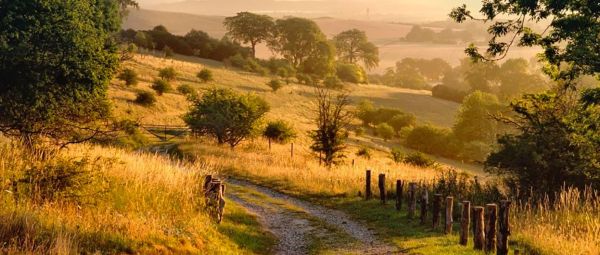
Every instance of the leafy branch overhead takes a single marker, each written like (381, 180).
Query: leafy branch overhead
(571, 24)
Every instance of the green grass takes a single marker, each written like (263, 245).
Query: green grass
(245, 231)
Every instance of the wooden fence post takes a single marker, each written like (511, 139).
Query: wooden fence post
(503, 227)
(382, 188)
(292, 151)
(368, 185)
(424, 202)
(398, 195)
(479, 235)
(465, 219)
(412, 199)
(437, 205)
(491, 216)
(448, 219)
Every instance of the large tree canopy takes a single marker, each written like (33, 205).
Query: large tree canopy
(249, 28)
(56, 59)
(301, 41)
(353, 46)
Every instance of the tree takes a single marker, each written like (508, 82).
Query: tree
(354, 46)
(249, 28)
(332, 120)
(557, 142)
(351, 73)
(475, 120)
(167, 73)
(56, 60)
(300, 41)
(385, 131)
(400, 121)
(516, 79)
(225, 115)
(279, 131)
(365, 111)
(570, 37)
(161, 86)
(145, 98)
(129, 76)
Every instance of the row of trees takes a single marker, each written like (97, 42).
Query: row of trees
(420, 34)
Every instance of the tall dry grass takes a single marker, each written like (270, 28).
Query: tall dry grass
(568, 225)
(150, 205)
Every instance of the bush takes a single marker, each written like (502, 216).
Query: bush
(433, 140)
(129, 76)
(279, 131)
(63, 179)
(385, 131)
(168, 73)
(248, 64)
(400, 121)
(419, 159)
(397, 155)
(275, 84)
(384, 115)
(161, 86)
(205, 75)
(304, 79)
(359, 131)
(351, 73)
(186, 89)
(333, 82)
(364, 152)
(145, 98)
(448, 93)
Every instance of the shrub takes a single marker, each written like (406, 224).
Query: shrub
(186, 89)
(304, 79)
(63, 179)
(333, 82)
(397, 155)
(168, 73)
(279, 131)
(145, 98)
(161, 86)
(275, 84)
(129, 76)
(168, 52)
(433, 140)
(205, 75)
(359, 131)
(448, 93)
(384, 115)
(419, 159)
(364, 152)
(350, 73)
(385, 131)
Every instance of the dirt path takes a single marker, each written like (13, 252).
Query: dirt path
(305, 228)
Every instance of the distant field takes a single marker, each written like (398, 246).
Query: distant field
(385, 35)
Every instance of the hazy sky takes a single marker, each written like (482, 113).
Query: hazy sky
(402, 10)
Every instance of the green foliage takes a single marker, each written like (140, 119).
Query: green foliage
(205, 75)
(225, 115)
(167, 74)
(129, 76)
(557, 144)
(275, 84)
(475, 120)
(448, 93)
(279, 131)
(332, 121)
(365, 111)
(364, 152)
(145, 98)
(248, 64)
(161, 86)
(353, 46)
(186, 89)
(302, 43)
(304, 79)
(333, 82)
(419, 159)
(397, 155)
(446, 36)
(400, 121)
(359, 131)
(351, 73)
(249, 28)
(168, 52)
(56, 59)
(433, 140)
(385, 131)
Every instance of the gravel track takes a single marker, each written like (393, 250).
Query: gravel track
(296, 231)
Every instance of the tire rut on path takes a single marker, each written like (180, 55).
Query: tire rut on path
(304, 228)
